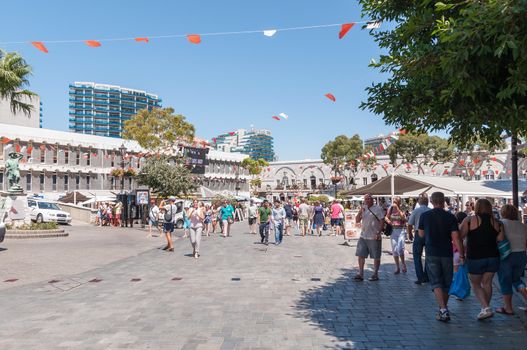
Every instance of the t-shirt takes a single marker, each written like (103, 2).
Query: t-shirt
(336, 211)
(264, 214)
(288, 211)
(371, 224)
(227, 212)
(279, 214)
(303, 210)
(252, 210)
(516, 233)
(438, 225)
(416, 214)
(170, 209)
(154, 213)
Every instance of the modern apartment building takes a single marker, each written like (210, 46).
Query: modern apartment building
(255, 143)
(33, 119)
(100, 109)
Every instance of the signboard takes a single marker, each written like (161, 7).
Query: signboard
(351, 229)
(142, 197)
(196, 159)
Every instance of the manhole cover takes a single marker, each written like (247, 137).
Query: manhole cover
(135, 280)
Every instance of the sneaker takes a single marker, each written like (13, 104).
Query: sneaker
(443, 316)
(485, 313)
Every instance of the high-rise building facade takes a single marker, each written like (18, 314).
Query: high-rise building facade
(100, 109)
(255, 143)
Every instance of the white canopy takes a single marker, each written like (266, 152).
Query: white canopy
(413, 185)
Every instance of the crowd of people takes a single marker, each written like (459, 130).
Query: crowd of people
(485, 243)
(109, 214)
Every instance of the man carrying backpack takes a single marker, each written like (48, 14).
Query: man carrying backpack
(168, 225)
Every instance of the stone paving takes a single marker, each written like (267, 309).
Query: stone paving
(238, 295)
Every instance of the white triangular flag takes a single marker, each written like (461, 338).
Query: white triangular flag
(269, 32)
(373, 25)
(283, 115)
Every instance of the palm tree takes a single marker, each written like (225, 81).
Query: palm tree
(14, 72)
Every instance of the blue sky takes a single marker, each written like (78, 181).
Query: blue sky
(225, 83)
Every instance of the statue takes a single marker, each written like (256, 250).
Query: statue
(13, 172)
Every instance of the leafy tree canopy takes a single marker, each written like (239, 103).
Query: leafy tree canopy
(455, 65)
(14, 73)
(159, 129)
(254, 166)
(420, 149)
(342, 150)
(166, 179)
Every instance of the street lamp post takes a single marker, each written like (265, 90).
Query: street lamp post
(335, 184)
(122, 151)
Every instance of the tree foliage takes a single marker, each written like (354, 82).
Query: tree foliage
(254, 166)
(421, 149)
(166, 179)
(459, 66)
(159, 129)
(342, 150)
(14, 73)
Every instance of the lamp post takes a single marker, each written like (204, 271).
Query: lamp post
(122, 151)
(335, 183)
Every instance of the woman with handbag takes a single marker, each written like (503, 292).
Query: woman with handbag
(483, 232)
(227, 218)
(196, 216)
(512, 266)
(396, 218)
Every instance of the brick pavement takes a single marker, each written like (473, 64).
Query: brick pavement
(241, 295)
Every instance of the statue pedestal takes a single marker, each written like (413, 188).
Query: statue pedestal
(13, 209)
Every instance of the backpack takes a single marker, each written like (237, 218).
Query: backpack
(167, 216)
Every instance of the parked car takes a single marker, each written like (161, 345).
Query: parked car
(46, 211)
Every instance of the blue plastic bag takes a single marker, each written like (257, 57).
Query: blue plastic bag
(460, 285)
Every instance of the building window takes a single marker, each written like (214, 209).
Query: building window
(54, 182)
(78, 157)
(88, 158)
(42, 181)
(55, 154)
(477, 177)
(313, 181)
(42, 153)
(77, 181)
(66, 156)
(88, 178)
(112, 181)
(66, 182)
(364, 181)
(29, 178)
(113, 160)
(305, 183)
(1, 181)
(374, 177)
(130, 183)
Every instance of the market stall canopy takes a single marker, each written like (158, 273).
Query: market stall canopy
(413, 185)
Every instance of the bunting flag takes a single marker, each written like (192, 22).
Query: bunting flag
(51, 147)
(29, 150)
(5, 140)
(39, 45)
(373, 25)
(331, 97)
(270, 32)
(94, 154)
(92, 43)
(194, 38)
(42, 147)
(276, 118)
(232, 133)
(17, 148)
(345, 29)
(283, 115)
(144, 40)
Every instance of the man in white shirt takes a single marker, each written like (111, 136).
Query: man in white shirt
(303, 217)
(252, 213)
(153, 218)
(278, 220)
(370, 241)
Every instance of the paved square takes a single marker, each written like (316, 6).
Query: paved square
(238, 295)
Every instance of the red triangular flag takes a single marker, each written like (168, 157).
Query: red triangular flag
(276, 118)
(5, 140)
(345, 29)
(145, 40)
(17, 148)
(92, 43)
(331, 97)
(194, 38)
(29, 149)
(39, 45)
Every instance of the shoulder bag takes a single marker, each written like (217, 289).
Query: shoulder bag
(387, 227)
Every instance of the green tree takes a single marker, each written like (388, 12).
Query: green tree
(166, 179)
(459, 66)
(254, 167)
(159, 130)
(14, 73)
(420, 149)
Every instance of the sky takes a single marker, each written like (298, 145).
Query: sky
(224, 83)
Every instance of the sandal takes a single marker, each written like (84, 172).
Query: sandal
(404, 269)
(373, 278)
(358, 278)
(501, 310)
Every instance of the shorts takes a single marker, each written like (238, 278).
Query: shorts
(287, 222)
(304, 223)
(252, 221)
(154, 223)
(335, 222)
(168, 227)
(481, 266)
(440, 271)
(371, 247)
